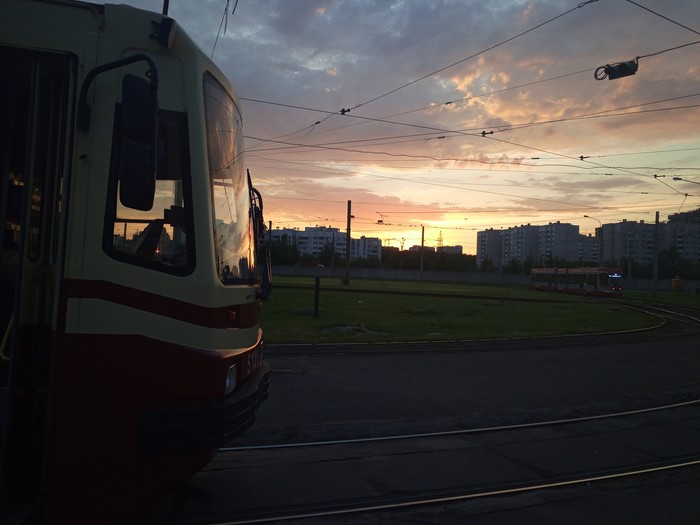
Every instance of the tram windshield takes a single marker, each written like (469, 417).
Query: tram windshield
(230, 193)
(615, 280)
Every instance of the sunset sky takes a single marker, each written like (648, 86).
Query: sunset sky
(460, 115)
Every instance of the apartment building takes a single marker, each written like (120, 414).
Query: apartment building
(313, 240)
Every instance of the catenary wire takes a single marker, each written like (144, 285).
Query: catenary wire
(608, 113)
(345, 111)
(579, 6)
(664, 17)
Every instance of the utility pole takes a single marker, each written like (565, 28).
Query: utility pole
(333, 256)
(422, 245)
(348, 240)
(655, 268)
(599, 241)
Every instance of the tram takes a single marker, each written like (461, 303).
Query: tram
(600, 281)
(133, 262)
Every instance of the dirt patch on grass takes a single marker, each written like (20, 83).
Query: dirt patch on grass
(351, 329)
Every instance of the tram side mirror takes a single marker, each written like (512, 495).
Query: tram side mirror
(139, 132)
(262, 247)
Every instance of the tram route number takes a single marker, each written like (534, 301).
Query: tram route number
(251, 361)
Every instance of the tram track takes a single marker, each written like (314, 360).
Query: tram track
(445, 433)
(441, 499)
(684, 315)
(342, 478)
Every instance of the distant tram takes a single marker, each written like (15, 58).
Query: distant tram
(132, 263)
(601, 281)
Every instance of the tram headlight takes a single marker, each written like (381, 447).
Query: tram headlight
(230, 380)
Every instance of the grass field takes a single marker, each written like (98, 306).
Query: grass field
(373, 311)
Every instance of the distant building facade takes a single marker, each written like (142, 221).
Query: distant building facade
(688, 217)
(366, 248)
(519, 243)
(452, 250)
(627, 239)
(311, 240)
(589, 250)
(488, 247)
(612, 243)
(314, 240)
(558, 241)
(684, 237)
(418, 247)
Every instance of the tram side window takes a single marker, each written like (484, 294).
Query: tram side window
(162, 237)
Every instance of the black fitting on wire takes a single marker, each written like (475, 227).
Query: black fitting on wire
(618, 70)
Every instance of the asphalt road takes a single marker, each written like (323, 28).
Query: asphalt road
(341, 392)
(346, 392)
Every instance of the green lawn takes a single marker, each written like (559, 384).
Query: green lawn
(371, 311)
(688, 299)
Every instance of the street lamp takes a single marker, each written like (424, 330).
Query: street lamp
(600, 224)
(686, 180)
(598, 242)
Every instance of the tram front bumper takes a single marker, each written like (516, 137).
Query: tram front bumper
(205, 427)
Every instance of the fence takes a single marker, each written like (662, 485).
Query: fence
(456, 277)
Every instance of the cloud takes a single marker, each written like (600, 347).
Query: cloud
(535, 91)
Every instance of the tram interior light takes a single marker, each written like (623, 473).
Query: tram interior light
(230, 380)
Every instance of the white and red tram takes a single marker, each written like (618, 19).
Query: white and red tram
(132, 262)
(600, 281)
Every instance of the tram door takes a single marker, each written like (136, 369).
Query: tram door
(35, 115)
